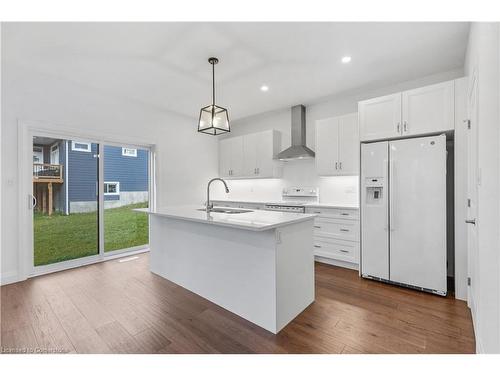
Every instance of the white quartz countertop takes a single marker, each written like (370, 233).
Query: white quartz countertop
(258, 220)
(317, 205)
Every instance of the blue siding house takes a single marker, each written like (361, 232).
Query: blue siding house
(125, 175)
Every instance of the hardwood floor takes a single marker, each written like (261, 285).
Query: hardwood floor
(115, 307)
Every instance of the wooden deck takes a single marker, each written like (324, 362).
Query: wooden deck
(44, 176)
(114, 307)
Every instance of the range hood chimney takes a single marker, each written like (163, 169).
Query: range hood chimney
(298, 149)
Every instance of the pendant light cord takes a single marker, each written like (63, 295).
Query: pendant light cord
(213, 83)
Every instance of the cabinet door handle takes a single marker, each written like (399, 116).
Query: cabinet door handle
(344, 214)
(399, 127)
(258, 170)
(343, 251)
(340, 165)
(317, 246)
(336, 165)
(317, 226)
(317, 212)
(405, 126)
(344, 230)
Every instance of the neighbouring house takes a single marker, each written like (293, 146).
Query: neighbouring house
(65, 175)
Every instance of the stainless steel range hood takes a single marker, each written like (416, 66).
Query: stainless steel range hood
(298, 149)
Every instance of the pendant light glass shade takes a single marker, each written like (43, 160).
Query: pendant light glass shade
(214, 120)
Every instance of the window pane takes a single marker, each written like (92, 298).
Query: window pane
(66, 213)
(126, 188)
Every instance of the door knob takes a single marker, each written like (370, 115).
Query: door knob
(472, 221)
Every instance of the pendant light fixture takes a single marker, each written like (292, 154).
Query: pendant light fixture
(214, 120)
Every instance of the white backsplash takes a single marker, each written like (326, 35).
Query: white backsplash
(335, 190)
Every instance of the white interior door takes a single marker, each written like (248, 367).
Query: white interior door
(472, 189)
(417, 173)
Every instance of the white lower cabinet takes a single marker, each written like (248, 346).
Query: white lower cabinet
(336, 228)
(346, 251)
(245, 205)
(336, 235)
(336, 232)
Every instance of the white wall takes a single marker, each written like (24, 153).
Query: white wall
(185, 158)
(483, 55)
(342, 190)
(1, 169)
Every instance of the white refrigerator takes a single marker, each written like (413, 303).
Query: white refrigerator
(403, 212)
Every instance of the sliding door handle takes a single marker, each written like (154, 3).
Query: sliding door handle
(472, 221)
(31, 201)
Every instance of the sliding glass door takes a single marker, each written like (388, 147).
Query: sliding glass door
(66, 205)
(126, 187)
(84, 198)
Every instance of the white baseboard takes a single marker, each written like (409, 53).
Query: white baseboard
(10, 278)
(479, 346)
(13, 276)
(339, 263)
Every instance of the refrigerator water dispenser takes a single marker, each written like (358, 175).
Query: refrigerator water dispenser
(374, 191)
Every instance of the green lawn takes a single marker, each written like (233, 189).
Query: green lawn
(63, 237)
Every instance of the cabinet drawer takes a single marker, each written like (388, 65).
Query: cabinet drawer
(335, 213)
(341, 250)
(336, 228)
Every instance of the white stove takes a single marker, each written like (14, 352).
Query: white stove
(294, 199)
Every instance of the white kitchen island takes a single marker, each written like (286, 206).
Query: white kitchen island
(258, 265)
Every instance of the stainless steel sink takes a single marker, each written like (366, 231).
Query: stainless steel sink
(225, 210)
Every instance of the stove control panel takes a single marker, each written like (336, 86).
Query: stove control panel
(300, 192)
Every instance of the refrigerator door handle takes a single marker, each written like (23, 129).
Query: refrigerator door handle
(391, 195)
(386, 168)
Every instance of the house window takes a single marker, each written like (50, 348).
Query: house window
(111, 188)
(37, 155)
(81, 146)
(129, 152)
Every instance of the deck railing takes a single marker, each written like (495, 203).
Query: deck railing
(47, 171)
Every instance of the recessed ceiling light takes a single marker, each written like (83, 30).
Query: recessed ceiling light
(264, 88)
(346, 59)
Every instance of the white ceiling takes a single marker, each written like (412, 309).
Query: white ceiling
(165, 64)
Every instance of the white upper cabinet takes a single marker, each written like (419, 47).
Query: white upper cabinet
(337, 146)
(421, 111)
(349, 145)
(231, 157)
(250, 156)
(268, 144)
(380, 117)
(429, 109)
(224, 158)
(327, 146)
